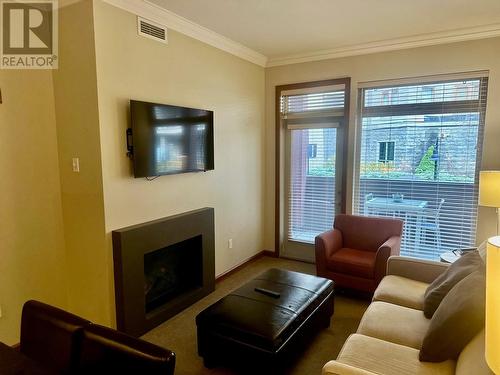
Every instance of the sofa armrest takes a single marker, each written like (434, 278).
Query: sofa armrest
(387, 249)
(415, 269)
(338, 368)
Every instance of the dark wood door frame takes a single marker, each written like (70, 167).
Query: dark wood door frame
(278, 150)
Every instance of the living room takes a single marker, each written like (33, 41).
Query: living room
(73, 184)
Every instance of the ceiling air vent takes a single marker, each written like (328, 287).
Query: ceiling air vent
(151, 30)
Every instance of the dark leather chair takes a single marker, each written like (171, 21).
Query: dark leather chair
(355, 252)
(105, 350)
(67, 344)
(51, 336)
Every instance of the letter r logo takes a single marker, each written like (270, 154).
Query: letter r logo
(27, 28)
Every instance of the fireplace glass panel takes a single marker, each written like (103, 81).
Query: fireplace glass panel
(172, 271)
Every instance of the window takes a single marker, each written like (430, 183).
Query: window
(438, 127)
(385, 151)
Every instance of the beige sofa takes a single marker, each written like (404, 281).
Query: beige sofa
(391, 331)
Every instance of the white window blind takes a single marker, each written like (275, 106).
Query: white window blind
(436, 129)
(312, 120)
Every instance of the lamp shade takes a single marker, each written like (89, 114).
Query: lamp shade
(493, 304)
(489, 188)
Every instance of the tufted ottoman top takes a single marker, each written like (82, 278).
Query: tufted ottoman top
(268, 309)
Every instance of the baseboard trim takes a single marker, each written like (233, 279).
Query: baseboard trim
(297, 259)
(17, 346)
(239, 266)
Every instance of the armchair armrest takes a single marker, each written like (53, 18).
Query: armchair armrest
(416, 269)
(325, 245)
(331, 241)
(338, 368)
(388, 248)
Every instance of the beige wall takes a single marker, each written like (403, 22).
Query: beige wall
(75, 91)
(188, 73)
(32, 259)
(441, 59)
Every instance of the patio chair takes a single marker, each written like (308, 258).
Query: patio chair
(431, 222)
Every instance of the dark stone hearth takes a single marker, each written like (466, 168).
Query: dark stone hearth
(161, 267)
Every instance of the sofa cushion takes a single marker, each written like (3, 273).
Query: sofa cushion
(438, 289)
(338, 368)
(353, 262)
(401, 291)
(383, 357)
(472, 360)
(459, 317)
(393, 323)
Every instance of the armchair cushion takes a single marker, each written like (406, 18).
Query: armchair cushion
(353, 262)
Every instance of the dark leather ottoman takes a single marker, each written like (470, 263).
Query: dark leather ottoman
(255, 326)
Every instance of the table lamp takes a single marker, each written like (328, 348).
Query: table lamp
(489, 192)
(493, 304)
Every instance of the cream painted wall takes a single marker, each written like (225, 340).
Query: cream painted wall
(32, 258)
(75, 91)
(188, 73)
(459, 57)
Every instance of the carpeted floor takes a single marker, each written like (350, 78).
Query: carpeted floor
(179, 333)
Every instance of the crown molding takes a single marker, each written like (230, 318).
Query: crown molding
(453, 36)
(162, 16)
(182, 25)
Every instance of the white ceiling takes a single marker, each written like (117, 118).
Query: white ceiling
(278, 28)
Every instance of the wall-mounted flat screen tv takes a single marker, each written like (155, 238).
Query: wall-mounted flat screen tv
(168, 139)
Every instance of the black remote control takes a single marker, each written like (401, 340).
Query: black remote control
(267, 292)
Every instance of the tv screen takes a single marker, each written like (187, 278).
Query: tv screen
(168, 139)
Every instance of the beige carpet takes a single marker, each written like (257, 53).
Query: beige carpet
(179, 333)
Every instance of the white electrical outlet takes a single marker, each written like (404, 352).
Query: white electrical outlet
(76, 164)
(230, 243)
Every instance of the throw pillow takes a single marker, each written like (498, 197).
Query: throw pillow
(438, 289)
(459, 317)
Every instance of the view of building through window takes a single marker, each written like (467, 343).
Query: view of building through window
(422, 142)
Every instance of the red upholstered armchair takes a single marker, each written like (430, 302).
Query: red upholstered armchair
(354, 253)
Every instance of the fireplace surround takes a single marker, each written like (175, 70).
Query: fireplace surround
(161, 267)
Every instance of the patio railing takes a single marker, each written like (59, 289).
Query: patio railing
(457, 219)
